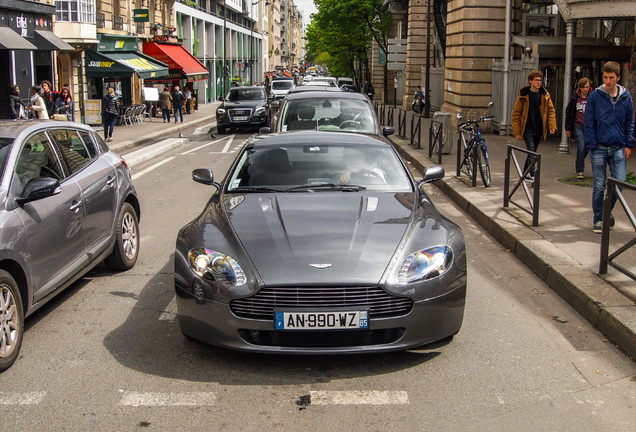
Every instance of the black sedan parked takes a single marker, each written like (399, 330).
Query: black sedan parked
(318, 242)
(244, 108)
(68, 203)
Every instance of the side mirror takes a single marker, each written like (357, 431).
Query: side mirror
(431, 174)
(39, 188)
(388, 130)
(204, 176)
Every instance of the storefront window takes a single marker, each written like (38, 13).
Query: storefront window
(82, 11)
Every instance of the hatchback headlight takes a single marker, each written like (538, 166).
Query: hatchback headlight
(425, 264)
(217, 266)
(220, 110)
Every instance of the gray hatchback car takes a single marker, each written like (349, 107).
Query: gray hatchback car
(67, 203)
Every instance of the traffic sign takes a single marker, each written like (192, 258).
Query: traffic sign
(396, 66)
(397, 41)
(397, 57)
(397, 48)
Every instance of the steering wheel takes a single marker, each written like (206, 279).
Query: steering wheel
(365, 174)
(48, 172)
(350, 123)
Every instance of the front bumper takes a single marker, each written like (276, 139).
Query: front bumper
(254, 121)
(429, 321)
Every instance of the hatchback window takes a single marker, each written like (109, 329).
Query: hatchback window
(37, 159)
(330, 114)
(5, 148)
(90, 146)
(75, 153)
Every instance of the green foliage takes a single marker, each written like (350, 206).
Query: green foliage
(631, 178)
(341, 33)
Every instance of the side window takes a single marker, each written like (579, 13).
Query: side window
(88, 143)
(37, 159)
(72, 147)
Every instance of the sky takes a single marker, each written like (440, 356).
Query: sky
(307, 7)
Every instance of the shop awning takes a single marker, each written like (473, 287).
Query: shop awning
(553, 47)
(123, 64)
(46, 40)
(182, 64)
(10, 40)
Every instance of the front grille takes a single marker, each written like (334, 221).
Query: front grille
(319, 339)
(262, 304)
(240, 112)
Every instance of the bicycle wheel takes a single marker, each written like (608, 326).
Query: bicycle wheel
(482, 162)
(468, 159)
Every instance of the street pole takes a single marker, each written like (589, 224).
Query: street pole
(427, 85)
(224, 49)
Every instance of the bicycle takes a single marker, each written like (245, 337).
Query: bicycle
(474, 142)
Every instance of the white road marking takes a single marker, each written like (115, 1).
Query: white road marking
(150, 168)
(227, 146)
(200, 129)
(170, 312)
(150, 152)
(202, 146)
(167, 399)
(359, 398)
(21, 398)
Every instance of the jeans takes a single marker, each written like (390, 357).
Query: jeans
(166, 114)
(532, 140)
(581, 148)
(600, 158)
(178, 109)
(109, 125)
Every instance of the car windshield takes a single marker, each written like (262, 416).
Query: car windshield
(282, 85)
(5, 148)
(248, 94)
(330, 114)
(313, 168)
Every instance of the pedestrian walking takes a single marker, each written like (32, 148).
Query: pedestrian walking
(369, 90)
(49, 97)
(16, 106)
(110, 111)
(532, 117)
(609, 136)
(575, 122)
(188, 97)
(64, 104)
(165, 102)
(177, 100)
(37, 103)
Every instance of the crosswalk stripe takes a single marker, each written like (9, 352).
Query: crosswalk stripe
(167, 399)
(21, 398)
(359, 398)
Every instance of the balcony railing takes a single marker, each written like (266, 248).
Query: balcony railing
(140, 27)
(118, 22)
(100, 20)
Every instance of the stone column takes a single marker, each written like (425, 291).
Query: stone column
(416, 50)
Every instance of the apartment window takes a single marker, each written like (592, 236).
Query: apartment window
(82, 11)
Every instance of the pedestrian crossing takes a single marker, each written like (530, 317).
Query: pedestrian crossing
(206, 399)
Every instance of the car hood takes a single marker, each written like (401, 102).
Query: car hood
(243, 104)
(322, 237)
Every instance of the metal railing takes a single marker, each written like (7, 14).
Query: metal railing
(416, 130)
(100, 20)
(118, 22)
(435, 139)
(533, 199)
(614, 187)
(389, 120)
(401, 123)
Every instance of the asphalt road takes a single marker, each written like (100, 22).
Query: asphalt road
(108, 355)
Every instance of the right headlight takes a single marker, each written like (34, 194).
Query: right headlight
(425, 264)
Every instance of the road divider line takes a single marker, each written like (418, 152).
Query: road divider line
(167, 399)
(202, 146)
(227, 146)
(150, 168)
(359, 398)
(152, 151)
(21, 398)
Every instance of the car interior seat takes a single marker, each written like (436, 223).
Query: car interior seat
(305, 119)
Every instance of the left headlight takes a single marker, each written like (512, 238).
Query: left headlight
(220, 111)
(425, 264)
(217, 266)
(260, 111)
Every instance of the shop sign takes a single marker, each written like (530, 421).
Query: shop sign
(101, 64)
(141, 15)
(164, 38)
(93, 111)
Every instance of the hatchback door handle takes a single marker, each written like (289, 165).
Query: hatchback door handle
(75, 207)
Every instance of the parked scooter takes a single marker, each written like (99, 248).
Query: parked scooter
(418, 102)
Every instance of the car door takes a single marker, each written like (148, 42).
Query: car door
(97, 180)
(53, 225)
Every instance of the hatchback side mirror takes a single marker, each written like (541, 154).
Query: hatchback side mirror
(39, 188)
(204, 176)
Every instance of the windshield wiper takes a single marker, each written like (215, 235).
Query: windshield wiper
(253, 189)
(327, 186)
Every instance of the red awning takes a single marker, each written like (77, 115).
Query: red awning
(181, 63)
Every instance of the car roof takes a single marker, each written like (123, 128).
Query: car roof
(312, 137)
(327, 93)
(304, 89)
(247, 87)
(12, 128)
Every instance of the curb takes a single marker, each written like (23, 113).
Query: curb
(602, 305)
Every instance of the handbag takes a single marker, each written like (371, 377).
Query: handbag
(62, 117)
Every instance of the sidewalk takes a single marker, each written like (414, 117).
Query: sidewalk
(563, 251)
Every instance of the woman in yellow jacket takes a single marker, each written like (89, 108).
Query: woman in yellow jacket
(532, 116)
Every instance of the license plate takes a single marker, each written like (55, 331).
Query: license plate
(240, 118)
(332, 320)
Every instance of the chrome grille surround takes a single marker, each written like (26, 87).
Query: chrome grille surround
(262, 304)
(241, 112)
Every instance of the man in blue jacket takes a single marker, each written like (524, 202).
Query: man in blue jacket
(609, 135)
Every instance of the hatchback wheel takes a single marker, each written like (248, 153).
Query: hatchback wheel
(126, 249)
(11, 320)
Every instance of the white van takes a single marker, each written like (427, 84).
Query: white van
(280, 87)
(344, 80)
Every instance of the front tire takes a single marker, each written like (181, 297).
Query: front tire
(484, 166)
(11, 321)
(126, 249)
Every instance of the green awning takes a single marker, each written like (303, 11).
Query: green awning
(123, 65)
